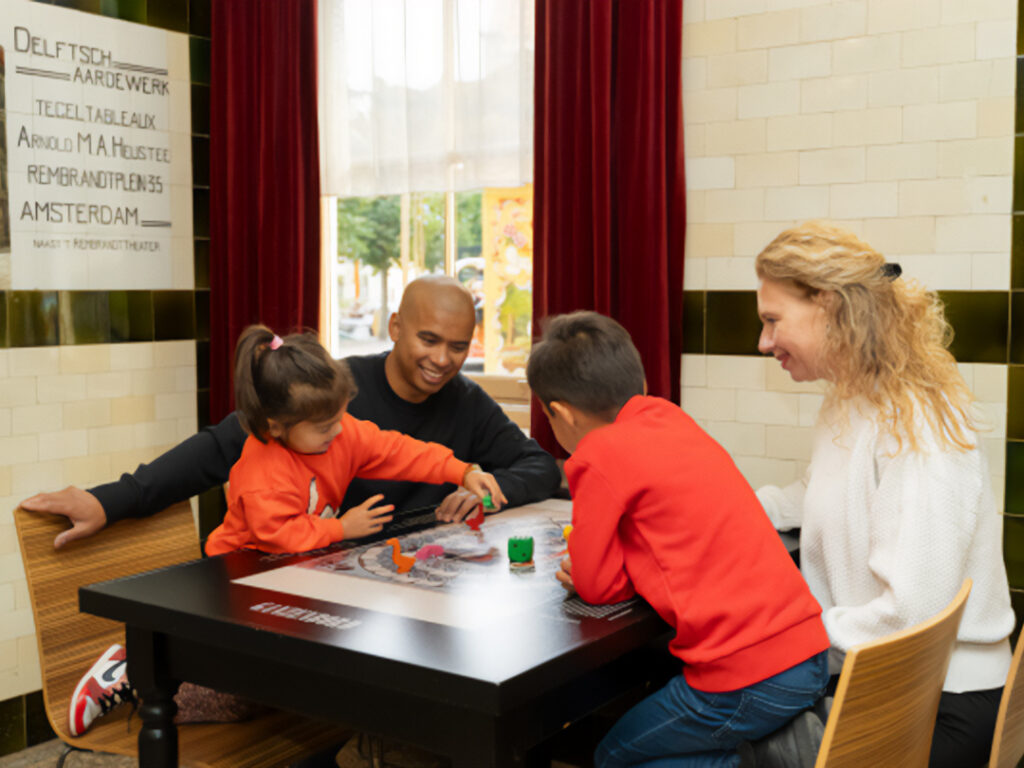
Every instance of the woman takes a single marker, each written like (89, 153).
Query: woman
(896, 508)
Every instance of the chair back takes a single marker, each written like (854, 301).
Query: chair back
(888, 695)
(69, 641)
(1008, 740)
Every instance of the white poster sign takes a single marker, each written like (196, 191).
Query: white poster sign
(95, 152)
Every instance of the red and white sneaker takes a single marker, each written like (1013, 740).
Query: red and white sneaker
(104, 686)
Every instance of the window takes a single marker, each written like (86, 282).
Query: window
(426, 116)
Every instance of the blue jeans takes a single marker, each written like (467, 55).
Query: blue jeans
(681, 726)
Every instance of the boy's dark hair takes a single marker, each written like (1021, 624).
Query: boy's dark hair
(588, 361)
(296, 381)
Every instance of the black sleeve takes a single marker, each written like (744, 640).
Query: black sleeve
(201, 462)
(524, 470)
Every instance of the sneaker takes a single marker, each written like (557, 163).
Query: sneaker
(104, 686)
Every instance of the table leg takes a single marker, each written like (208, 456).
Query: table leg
(158, 739)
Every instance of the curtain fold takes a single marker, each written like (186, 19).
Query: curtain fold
(609, 192)
(264, 177)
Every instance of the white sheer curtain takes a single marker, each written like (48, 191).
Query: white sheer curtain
(425, 95)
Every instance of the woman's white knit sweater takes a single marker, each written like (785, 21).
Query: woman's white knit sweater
(888, 535)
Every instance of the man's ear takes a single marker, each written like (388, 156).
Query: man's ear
(394, 326)
(564, 412)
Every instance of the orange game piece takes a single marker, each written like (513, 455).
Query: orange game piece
(403, 563)
(474, 521)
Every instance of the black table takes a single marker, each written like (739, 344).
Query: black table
(486, 684)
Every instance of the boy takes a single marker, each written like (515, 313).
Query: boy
(660, 510)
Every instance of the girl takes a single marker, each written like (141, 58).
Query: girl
(896, 508)
(304, 449)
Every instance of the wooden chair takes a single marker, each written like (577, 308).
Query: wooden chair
(888, 695)
(70, 641)
(1008, 740)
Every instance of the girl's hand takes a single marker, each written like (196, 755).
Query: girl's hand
(483, 484)
(366, 518)
(564, 576)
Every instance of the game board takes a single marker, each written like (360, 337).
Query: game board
(468, 585)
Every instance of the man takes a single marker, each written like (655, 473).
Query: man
(415, 388)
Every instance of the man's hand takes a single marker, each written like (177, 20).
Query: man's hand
(81, 508)
(457, 506)
(366, 518)
(564, 576)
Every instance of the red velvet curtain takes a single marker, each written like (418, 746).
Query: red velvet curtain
(609, 194)
(264, 177)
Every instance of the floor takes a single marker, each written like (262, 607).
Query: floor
(396, 756)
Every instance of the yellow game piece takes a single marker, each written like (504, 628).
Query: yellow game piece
(566, 531)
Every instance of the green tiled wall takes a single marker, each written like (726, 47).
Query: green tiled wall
(44, 318)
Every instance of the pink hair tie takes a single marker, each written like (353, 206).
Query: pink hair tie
(276, 342)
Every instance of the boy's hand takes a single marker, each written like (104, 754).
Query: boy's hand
(483, 483)
(81, 508)
(457, 505)
(564, 576)
(366, 519)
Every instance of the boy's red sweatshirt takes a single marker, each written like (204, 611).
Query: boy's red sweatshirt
(660, 510)
(282, 501)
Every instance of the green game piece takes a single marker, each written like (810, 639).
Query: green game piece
(520, 549)
(488, 504)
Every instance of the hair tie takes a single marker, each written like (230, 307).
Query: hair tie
(891, 270)
(276, 342)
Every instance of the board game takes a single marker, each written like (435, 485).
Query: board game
(453, 574)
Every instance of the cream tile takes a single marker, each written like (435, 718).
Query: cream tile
(976, 79)
(872, 53)
(709, 106)
(18, 391)
(114, 439)
(696, 205)
(789, 442)
(938, 45)
(897, 17)
(976, 157)
(715, 405)
(834, 21)
(957, 11)
(934, 197)
(695, 274)
(767, 169)
(131, 356)
(778, 380)
(710, 173)
(695, 74)
(995, 117)
(188, 427)
(735, 138)
(695, 140)
(693, 12)
(904, 234)
(17, 624)
(938, 271)
(694, 371)
(736, 372)
(30, 479)
(155, 433)
(990, 271)
(23, 449)
(796, 132)
(710, 38)
(769, 30)
(873, 199)
(133, 409)
(156, 381)
(87, 471)
(60, 388)
(86, 413)
(967, 372)
(995, 39)
(175, 405)
(868, 126)
(735, 273)
(802, 202)
(108, 385)
(167, 354)
(830, 166)
(898, 162)
(8, 654)
(63, 445)
(34, 361)
(768, 408)
(708, 240)
(810, 406)
(738, 439)
(832, 94)
(736, 69)
(973, 234)
(990, 383)
(798, 62)
(732, 205)
(940, 122)
(994, 415)
(898, 88)
(752, 237)
(5, 481)
(768, 471)
(86, 358)
(990, 194)
(768, 100)
(719, 9)
(6, 428)
(4, 365)
(32, 419)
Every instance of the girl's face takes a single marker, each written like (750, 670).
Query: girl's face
(308, 436)
(793, 329)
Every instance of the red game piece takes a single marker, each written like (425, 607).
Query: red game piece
(477, 519)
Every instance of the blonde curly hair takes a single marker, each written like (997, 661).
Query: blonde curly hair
(887, 339)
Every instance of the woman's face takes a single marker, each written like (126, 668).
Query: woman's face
(793, 329)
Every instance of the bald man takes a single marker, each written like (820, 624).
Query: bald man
(415, 388)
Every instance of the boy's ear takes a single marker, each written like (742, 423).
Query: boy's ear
(563, 412)
(275, 429)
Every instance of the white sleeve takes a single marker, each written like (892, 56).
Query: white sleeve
(784, 506)
(921, 521)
